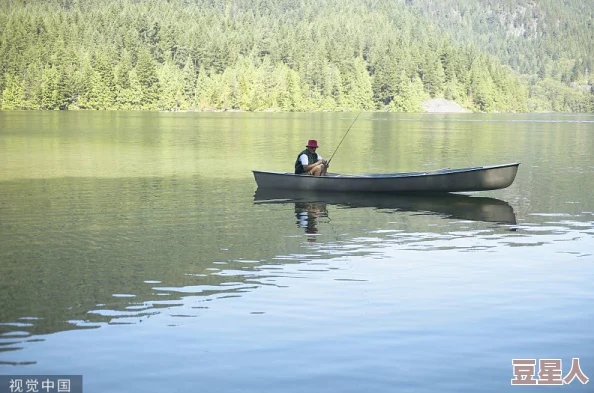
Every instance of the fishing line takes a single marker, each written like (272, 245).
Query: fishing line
(344, 137)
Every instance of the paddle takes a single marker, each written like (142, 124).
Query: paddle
(344, 137)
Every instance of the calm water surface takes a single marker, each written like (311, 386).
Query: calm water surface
(135, 251)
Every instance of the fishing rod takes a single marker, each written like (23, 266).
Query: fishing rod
(344, 137)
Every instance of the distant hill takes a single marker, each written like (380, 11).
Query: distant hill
(256, 55)
(549, 42)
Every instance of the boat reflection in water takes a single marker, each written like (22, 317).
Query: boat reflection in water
(310, 206)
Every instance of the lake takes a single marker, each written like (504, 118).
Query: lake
(134, 251)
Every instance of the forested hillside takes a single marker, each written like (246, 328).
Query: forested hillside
(550, 42)
(257, 55)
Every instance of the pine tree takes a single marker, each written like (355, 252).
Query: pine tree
(84, 93)
(65, 61)
(357, 87)
(230, 97)
(262, 98)
(49, 88)
(135, 94)
(432, 74)
(246, 74)
(482, 88)
(12, 96)
(410, 94)
(170, 80)
(384, 80)
(103, 84)
(332, 91)
(31, 86)
(204, 91)
(293, 100)
(149, 81)
(124, 96)
(188, 84)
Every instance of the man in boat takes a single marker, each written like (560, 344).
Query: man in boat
(309, 162)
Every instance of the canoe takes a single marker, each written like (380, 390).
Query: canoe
(458, 206)
(480, 178)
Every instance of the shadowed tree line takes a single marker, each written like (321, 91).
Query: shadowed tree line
(248, 55)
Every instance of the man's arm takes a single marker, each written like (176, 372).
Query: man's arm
(307, 168)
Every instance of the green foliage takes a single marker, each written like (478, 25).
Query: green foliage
(285, 55)
(549, 95)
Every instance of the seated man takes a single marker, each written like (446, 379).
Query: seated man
(309, 162)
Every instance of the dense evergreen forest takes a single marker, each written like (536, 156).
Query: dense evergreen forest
(291, 55)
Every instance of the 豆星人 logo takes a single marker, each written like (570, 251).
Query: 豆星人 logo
(550, 372)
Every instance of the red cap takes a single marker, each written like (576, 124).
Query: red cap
(312, 143)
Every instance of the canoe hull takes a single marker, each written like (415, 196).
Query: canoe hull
(445, 180)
